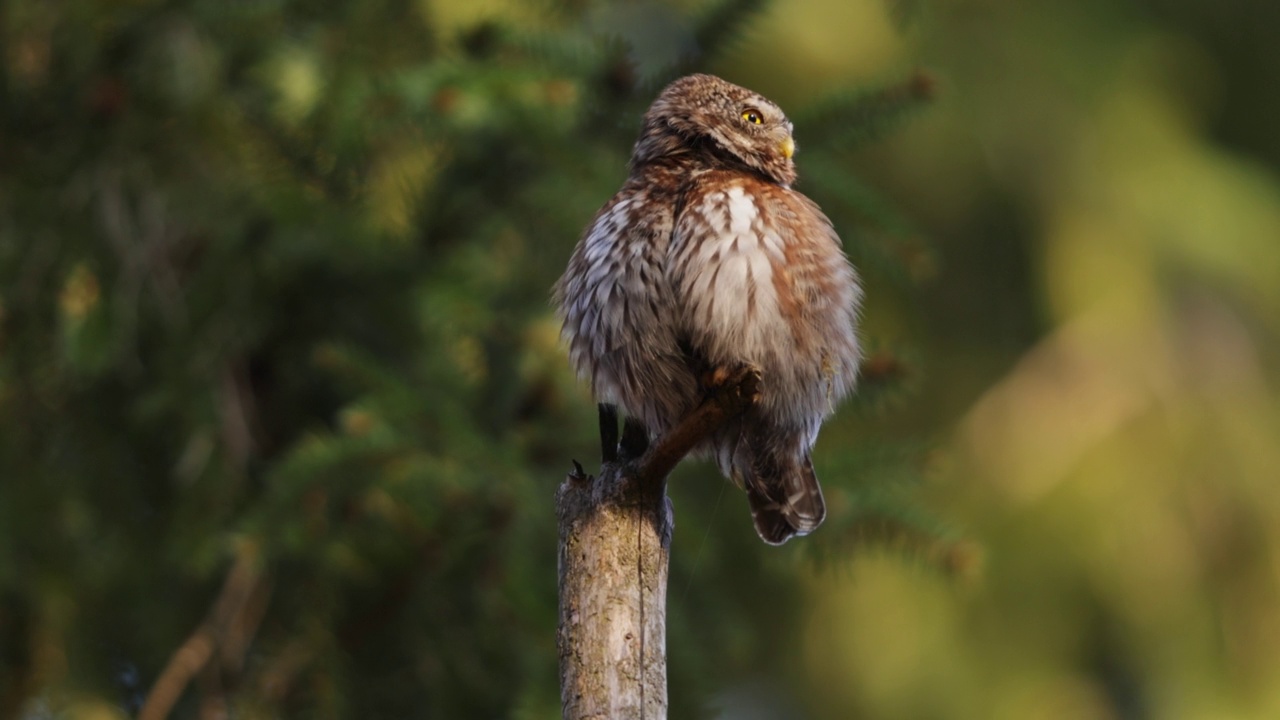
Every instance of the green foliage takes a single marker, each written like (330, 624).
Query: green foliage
(851, 118)
(721, 25)
(273, 284)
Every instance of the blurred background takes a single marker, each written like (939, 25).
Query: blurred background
(283, 408)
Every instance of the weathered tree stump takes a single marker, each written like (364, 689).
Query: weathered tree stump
(614, 556)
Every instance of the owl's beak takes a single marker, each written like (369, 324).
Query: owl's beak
(788, 147)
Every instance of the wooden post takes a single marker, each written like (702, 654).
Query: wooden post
(614, 553)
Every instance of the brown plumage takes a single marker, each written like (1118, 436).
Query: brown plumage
(705, 259)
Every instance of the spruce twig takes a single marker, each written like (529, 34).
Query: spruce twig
(723, 24)
(850, 120)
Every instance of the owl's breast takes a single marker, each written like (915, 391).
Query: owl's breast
(732, 268)
(761, 277)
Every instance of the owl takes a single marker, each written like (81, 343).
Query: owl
(705, 260)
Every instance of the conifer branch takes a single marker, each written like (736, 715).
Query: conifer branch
(722, 25)
(855, 119)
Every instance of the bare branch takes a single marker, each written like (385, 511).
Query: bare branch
(226, 619)
(730, 398)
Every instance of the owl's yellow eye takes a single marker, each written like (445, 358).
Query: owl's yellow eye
(752, 117)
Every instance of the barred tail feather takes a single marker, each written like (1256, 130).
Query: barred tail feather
(785, 497)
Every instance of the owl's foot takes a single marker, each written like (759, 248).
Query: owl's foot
(635, 439)
(608, 432)
(737, 387)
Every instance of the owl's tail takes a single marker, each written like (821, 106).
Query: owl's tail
(784, 494)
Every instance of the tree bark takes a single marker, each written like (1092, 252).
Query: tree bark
(614, 552)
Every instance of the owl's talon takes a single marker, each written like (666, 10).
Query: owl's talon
(740, 384)
(747, 381)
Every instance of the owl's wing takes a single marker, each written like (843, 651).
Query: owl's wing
(617, 310)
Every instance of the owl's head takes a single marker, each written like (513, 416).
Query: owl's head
(728, 124)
